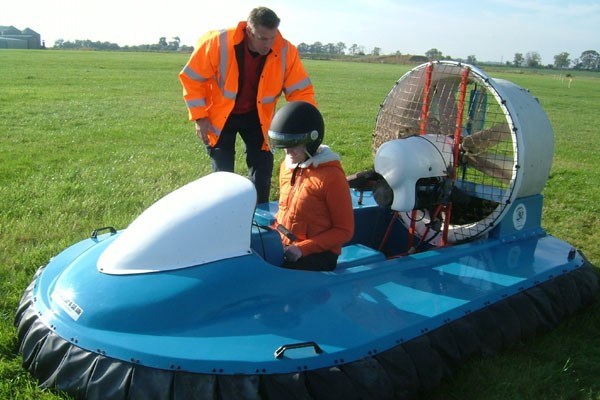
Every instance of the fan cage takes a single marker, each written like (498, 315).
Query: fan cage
(426, 100)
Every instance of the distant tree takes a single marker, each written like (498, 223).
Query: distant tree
(303, 48)
(109, 46)
(354, 49)
(329, 48)
(376, 51)
(518, 59)
(590, 59)
(316, 47)
(562, 60)
(174, 43)
(471, 60)
(340, 48)
(533, 59)
(576, 63)
(434, 54)
(162, 43)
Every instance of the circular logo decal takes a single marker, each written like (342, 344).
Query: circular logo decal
(519, 217)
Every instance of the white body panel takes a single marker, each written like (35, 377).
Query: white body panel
(206, 220)
(534, 136)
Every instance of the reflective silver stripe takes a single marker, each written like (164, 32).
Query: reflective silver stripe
(223, 48)
(284, 52)
(196, 103)
(193, 75)
(224, 56)
(270, 99)
(304, 83)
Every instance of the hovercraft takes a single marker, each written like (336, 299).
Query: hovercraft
(448, 261)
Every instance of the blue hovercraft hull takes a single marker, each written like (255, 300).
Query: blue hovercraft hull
(376, 327)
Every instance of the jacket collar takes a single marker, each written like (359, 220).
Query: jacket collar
(323, 155)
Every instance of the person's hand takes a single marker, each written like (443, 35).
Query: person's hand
(292, 253)
(202, 127)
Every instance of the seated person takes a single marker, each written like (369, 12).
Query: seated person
(315, 216)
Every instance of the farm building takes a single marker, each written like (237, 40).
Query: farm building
(12, 38)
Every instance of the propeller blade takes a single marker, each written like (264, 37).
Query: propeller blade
(494, 165)
(481, 140)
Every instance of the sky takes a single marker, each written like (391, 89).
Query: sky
(491, 30)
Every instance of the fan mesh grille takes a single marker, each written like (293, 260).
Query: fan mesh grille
(486, 167)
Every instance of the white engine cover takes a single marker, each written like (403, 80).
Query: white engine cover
(402, 162)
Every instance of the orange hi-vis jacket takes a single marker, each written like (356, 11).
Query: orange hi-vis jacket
(210, 79)
(317, 208)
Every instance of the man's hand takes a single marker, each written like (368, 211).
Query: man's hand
(292, 253)
(202, 128)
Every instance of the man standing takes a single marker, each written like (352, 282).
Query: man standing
(231, 84)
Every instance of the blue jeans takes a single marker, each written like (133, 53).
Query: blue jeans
(258, 161)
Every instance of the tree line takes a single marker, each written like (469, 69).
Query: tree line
(588, 60)
(163, 45)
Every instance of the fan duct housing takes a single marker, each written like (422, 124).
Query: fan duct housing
(493, 135)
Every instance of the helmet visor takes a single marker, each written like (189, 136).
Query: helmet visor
(279, 140)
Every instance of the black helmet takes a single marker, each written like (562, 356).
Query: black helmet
(296, 123)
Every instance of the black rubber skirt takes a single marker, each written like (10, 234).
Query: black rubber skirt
(403, 372)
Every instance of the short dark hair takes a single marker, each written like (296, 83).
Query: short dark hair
(263, 16)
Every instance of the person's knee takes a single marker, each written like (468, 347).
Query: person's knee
(221, 159)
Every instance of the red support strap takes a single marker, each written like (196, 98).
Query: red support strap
(464, 81)
(426, 99)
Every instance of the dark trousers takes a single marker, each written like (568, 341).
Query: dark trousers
(258, 161)
(325, 261)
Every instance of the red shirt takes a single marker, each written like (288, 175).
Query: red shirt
(251, 65)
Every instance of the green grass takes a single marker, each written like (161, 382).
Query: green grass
(89, 139)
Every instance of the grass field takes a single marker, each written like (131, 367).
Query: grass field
(89, 139)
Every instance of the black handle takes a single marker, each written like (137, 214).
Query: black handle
(279, 352)
(287, 233)
(95, 232)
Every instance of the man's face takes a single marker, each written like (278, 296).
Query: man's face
(261, 39)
